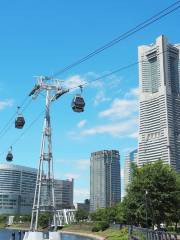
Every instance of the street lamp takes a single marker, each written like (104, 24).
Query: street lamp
(146, 193)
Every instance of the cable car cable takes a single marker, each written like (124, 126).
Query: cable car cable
(10, 123)
(123, 36)
(25, 131)
(7, 126)
(113, 72)
(26, 106)
(76, 87)
(137, 28)
(96, 79)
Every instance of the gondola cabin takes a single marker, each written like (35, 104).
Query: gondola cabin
(78, 103)
(19, 122)
(9, 156)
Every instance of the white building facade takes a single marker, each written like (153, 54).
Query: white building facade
(159, 80)
(130, 158)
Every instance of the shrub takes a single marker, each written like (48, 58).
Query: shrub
(170, 229)
(124, 230)
(95, 229)
(103, 225)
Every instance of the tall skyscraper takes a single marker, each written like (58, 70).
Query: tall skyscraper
(105, 184)
(159, 79)
(130, 158)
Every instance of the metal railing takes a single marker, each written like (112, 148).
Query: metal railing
(138, 233)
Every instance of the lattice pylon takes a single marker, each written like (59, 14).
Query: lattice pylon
(44, 198)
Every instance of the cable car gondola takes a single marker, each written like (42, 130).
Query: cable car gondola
(9, 156)
(20, 121)
(78, 103)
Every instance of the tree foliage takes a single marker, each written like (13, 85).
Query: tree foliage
(3, 219)
(44, 220)
(105, 214)
(153, 197)
(81, 215)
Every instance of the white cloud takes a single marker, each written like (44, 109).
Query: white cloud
(81, 123)
(83, 164)
(134, 92)
(123, 107)
(119, 129)
(71, 175)
(103, 86)
(100, 98)
(6, 103)
(134, 134)
(60, 160)
(74, 135)
(80, 194)
(74, 81)
(122, 116)
(114, 81)
(97, 84)
(120, 108)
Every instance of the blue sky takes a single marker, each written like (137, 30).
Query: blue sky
(41, 37)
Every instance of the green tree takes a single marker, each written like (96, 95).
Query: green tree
(99, 215)
(26, 218)
(109, 215)
(152, 197)
(81, 215)
(3, 219)
(16, 218)
(119, 209)
(44, 220)
(174, 216)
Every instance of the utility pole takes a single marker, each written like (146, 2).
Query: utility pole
(45, 175)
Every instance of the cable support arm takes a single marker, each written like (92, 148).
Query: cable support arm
(34, 90)
(59, 93)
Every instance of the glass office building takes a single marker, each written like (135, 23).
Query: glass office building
(105, 186)
(64, 193)
(17, 185)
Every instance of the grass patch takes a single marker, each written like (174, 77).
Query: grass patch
(113, 234)
(109, 234)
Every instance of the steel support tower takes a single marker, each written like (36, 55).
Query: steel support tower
(44, 199)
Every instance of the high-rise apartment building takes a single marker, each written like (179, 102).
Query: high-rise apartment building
(159, 79)
(105, 187)
(130, 158)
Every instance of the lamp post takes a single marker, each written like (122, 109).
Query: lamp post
(146, 193)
